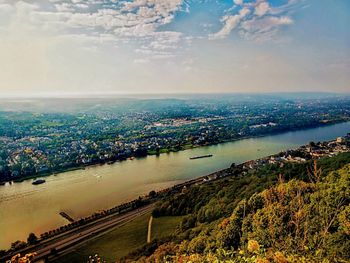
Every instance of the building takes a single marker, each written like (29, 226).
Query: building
(341, 140)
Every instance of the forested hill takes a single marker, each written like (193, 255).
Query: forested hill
(297, 213)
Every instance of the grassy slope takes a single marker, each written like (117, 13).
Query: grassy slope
(165, 226)
(115, 244)
(122, 240)
(221, 197)
(285, 223)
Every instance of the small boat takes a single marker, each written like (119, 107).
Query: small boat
(38, 181)
(201, 156)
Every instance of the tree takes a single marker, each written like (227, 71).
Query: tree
(18, 245)
(152, 194)
(312, 144)
(32, 239)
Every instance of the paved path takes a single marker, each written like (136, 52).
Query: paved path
(149, 229)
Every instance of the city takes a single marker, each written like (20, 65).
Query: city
(34, 144)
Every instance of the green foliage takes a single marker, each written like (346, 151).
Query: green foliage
(297, 217)
(163, 227)
(289, 221)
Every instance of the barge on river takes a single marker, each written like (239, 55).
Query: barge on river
(38, 181)
(201, 156)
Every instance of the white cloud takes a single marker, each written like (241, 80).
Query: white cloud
(262, 8)
(138, 20)
(264, 28)
(64, 7)
(138, 24)
(133, 25)
(81, 6)
(161, 45)
(5, 7)
(141, 61)
(256, 20)
(230, 23)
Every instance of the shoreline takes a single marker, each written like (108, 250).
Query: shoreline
(157, 195)
(109, 162)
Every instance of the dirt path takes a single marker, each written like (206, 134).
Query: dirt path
(149, 229)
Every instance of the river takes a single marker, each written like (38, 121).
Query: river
(26, 208)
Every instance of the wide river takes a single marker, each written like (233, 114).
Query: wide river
(26, 208)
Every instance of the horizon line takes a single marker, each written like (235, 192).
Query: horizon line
(124, 95)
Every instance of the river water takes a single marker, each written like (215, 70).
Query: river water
(26, 208)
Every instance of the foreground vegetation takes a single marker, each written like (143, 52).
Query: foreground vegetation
(296, 213)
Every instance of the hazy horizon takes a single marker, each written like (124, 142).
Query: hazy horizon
(106, 95)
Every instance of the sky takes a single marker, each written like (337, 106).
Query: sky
(72, 47)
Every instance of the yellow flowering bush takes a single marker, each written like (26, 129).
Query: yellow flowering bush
(253, 246)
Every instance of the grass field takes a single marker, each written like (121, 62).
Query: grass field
(164, 226)
(115, 244)
(123, 240)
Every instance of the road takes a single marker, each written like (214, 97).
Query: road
(149, 233)
(64, 242)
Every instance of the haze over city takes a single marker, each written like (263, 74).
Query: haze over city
(73, 47)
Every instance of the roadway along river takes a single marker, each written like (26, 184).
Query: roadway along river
(26, 208)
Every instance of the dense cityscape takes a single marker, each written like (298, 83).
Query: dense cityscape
(76, 133)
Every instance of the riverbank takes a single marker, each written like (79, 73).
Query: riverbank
(325, 149)
(167, 151)
(46, 174)
(82, 192)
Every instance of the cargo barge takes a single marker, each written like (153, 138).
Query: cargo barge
(39, 181)
(201, 156)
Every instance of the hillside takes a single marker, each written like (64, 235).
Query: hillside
(297, 213)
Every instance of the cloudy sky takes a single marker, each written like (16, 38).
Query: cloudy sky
(69, 47)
